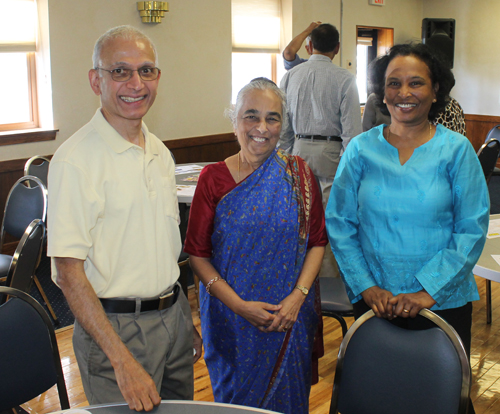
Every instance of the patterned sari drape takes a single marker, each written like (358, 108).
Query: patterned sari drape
(259, 243)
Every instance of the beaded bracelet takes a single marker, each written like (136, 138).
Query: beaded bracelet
(209, 284)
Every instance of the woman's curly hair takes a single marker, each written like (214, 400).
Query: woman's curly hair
(440, 74)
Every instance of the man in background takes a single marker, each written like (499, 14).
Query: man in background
(323, 107)
(324, 113)
(114, 237)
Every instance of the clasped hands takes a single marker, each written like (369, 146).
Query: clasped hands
(406, 305)
(273, 318)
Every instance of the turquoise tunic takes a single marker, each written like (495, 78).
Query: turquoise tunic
(404, 228)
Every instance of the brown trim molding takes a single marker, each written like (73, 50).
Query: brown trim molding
(478, 127)
(482, 118)
(197, 141)
(208, 148)
(23, 137)
(16, 165)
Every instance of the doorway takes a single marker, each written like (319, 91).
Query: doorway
(370, 43)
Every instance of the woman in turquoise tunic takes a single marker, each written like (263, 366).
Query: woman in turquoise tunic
(409, 208)
(256, 240)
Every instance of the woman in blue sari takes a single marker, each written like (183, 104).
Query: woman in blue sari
(256, 238)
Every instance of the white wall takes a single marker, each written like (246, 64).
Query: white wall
(477, 57)
(194, 44)
(194, 48)
(306, 11)
(404, 16)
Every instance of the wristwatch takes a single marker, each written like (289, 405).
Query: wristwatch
(303, 289)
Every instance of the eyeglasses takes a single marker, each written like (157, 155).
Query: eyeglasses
(122, 75)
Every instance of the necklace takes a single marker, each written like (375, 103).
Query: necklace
(244, 162)
(388, 136)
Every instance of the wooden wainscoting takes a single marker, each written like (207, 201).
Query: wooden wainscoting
(478, 127)
(209, 148)
(217, 147)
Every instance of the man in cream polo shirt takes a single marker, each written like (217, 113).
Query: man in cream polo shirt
(114, 238)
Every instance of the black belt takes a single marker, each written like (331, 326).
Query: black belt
(319, 138)
(128, 305)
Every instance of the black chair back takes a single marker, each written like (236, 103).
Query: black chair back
(334, 300)
(383, 369)
(38, 166)
(493, 133)
(488, 156)
(26, 257)
(24, 204)
(30, 362)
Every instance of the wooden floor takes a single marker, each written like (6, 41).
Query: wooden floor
(485, 362)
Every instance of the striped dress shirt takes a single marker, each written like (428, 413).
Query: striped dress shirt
(322, 99)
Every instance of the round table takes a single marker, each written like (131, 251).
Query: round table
(488, 268)
(173, 407)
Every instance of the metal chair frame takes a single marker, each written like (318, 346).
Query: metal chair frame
(15, 294)
(37, 170)
(41, 188)
(494, 133)
(344, 307)
(18, 230)
(488, 160)
(25, 260)
(439, 322)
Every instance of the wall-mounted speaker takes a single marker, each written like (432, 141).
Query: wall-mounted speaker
(439, 35)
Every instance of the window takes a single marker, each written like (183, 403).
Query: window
(361, 74)
(17, 63)
(256, 31)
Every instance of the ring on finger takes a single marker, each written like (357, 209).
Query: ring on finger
(406, 311)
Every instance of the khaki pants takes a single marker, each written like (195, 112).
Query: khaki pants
(323, 157)
(161, 341)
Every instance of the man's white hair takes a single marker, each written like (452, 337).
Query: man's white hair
(123, 32)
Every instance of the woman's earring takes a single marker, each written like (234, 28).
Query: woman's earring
(384, 101)
(434, 100)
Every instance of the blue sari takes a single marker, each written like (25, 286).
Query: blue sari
(259, 241)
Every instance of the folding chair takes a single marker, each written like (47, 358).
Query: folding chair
(30, 362)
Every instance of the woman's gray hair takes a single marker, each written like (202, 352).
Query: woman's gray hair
(123, 32)
(261, 84)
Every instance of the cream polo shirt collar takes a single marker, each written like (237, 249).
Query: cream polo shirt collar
(114, 140)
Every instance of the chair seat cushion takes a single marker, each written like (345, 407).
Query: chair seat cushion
(5, 260)
(333, 295)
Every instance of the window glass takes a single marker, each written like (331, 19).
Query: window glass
(15, 106)
(361, 67)
(247, 66)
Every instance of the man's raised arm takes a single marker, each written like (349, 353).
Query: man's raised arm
(296, 43)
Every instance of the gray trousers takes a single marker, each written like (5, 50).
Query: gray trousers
(161, 341)
(323, 157)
